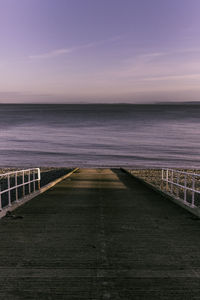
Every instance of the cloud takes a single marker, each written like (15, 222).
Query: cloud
(174, 64)
(153, 55)
(174, 77)
(63, 51)
(51, 54)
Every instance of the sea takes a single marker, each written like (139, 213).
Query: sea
(100, 135)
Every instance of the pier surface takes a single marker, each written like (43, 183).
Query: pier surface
(100, 235)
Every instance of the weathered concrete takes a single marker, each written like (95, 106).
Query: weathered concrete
(100, 235)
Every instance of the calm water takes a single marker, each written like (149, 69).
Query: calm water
(100, 135)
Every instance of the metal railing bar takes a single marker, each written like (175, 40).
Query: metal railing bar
(16, 186)
(7, 179)
(182, 186)
(20, 171)
(182, 172)
(184, 182)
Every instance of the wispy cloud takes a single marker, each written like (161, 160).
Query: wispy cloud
(63, 51)
(154, 55)
(51, 54)
(169, 64)
(174, 77)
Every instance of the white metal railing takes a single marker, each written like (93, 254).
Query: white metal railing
(182, 185)
(17, 184)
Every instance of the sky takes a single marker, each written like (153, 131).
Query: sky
(74, 51)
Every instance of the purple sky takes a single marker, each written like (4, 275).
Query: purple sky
(99, 50)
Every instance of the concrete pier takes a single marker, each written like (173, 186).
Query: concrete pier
(99, 234)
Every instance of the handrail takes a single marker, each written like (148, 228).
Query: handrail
(18, 171)
(185, 183)
(10, 182)
(182, 172)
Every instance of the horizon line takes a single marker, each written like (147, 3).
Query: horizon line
(103, 103)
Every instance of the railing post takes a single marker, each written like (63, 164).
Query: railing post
(16, 190)
(23, 183)
(9, 195)
(172, 180)
(29, 179)
(39, 178)
(0, 199)
(167, 176)
(193, 192)
(33, 180)
(177, 189)
(185, 190)
(162, 179)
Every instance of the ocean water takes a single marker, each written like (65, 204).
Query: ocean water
(133, 136)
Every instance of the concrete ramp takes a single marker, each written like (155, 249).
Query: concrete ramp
(100, 235)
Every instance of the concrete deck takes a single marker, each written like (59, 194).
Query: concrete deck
(100, 235)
